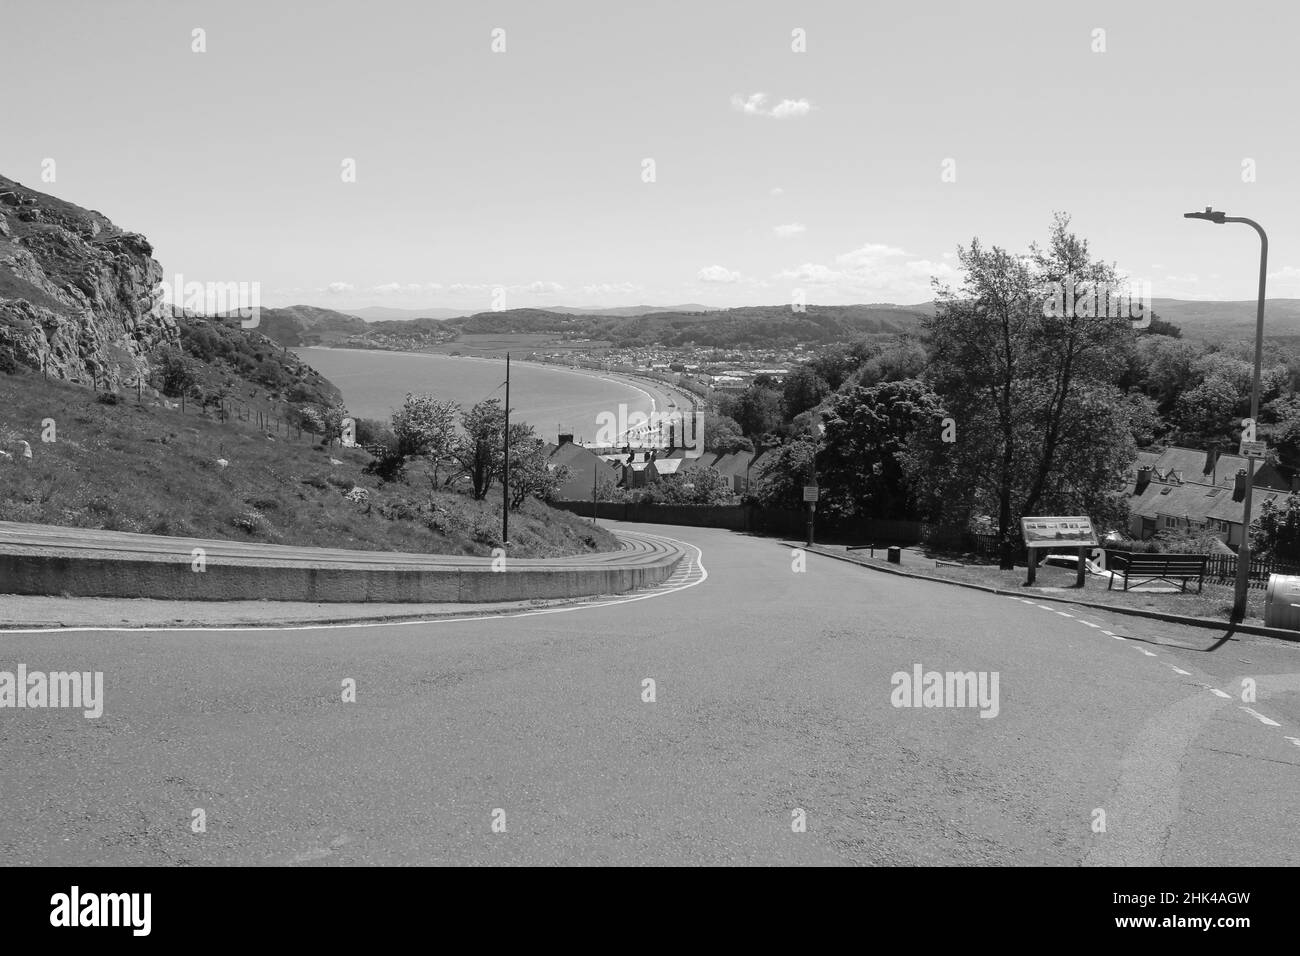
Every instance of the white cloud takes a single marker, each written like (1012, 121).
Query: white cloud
(789, 230)
(778, 191)
(611, 288)
(717, 274)
(340, 288)
(756, 105)
(812, 274)
(544, 288)
(788, 109)
(874, 272)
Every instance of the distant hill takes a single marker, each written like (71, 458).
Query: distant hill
(773, 326)
(1219, 321)
(383, 313)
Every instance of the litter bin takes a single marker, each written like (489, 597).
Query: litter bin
(895, 556)
(1282, 601)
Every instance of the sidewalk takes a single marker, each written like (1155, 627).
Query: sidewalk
(916, 558)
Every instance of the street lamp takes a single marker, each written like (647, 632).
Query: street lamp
(1243, 551)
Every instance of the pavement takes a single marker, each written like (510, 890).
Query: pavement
(751, 713)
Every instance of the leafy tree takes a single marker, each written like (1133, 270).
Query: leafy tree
(426, 427)
(723, 435)
(480, 449)
(783, 473)
(175, 374)
(757, 410)
(867, 430)
(1275, 534)
(702, 486)
(1011, 372)
(802, 390)
(531, 475)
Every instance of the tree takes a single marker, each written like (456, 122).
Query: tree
(1275, 534)
(802, 390)
(757, 410)
(701, 486)
(1011, 371)
(867, 430)
(425, 427)
(783, 473)
(175, 374)
(723, 436)
(332, 417)
(479, 450)
(531, 475)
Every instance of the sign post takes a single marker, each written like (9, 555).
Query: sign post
(810, 495)
(1058, 532)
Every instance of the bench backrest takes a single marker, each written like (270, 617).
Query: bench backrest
(1146, 563)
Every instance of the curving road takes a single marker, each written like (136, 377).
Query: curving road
(773, 694)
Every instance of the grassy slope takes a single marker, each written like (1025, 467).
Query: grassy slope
(152, 470)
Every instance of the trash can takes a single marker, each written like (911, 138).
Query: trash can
(1282, 601)
(895, 556)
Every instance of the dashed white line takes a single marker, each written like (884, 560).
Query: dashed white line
(1218, 693)
(1261, 718)
(1179, 670)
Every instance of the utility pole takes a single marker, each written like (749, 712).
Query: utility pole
(505, 470)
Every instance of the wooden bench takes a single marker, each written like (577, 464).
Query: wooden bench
(1156, 568)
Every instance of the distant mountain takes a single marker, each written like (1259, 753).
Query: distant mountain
(1219, 321)
(382, 313)
(308, 325)
(632, 310)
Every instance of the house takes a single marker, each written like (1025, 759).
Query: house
(587, 470)
(1183, 490)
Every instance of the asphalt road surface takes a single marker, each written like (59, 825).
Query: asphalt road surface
(773, 703)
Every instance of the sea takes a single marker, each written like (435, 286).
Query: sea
(553, 400)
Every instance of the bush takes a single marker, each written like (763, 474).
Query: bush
(109, 398)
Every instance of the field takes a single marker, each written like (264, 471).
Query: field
(152, 470)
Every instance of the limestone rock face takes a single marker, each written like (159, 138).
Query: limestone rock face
(78, 295)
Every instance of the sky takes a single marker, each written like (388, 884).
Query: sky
(608, 154)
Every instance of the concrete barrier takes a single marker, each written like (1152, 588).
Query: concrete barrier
(170, 577)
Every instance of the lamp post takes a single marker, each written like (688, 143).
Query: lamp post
(1243, 551)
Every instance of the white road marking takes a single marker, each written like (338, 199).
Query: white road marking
(1179, 670)
(1294, 740)
(698, 562)
(1261, 718)
(1218, 693)
(1063, 614)
(1143, 650)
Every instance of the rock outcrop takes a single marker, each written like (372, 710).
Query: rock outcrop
(78, 296)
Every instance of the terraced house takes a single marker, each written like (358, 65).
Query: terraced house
(1190, 491)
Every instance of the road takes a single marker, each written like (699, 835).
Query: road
(772, 696)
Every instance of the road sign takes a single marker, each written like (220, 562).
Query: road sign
(810, 492)
(1058, 532)
(1253, 449)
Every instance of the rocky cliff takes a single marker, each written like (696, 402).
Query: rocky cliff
(77, 294)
